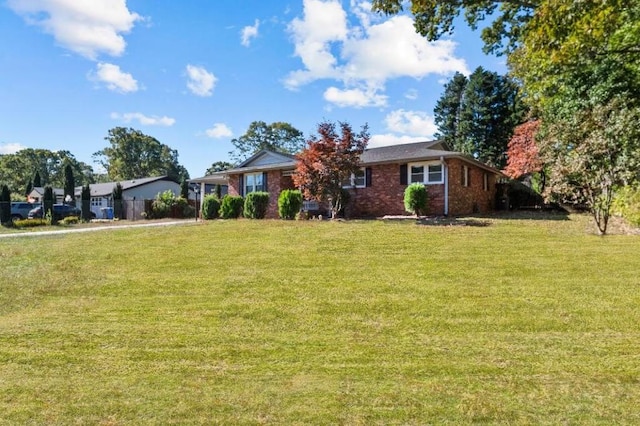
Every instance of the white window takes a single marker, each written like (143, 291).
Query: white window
(96, 202)
(428, 173)
(356, 180)
(253, 182)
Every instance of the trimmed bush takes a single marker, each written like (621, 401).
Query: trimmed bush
(70, 220)
(416, 198)
(231, 206)
(289, 203)
(30, 223)
(210, 207)
(256, 205)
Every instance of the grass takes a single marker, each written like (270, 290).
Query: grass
(273, 322)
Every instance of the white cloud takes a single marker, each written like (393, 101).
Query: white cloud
(114, 78)
(405, 127)
(143, 119)
(249, 32)
(357, 98)
(416, 123)
(201, 82)
(219, 130)
(11, 148)
(411, 94)
(87, 27)
(363, 57)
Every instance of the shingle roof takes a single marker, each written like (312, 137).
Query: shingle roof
(101, 189)
(405, 152)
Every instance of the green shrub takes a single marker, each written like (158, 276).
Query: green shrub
(626, 203)
(210, 207)
(416, 198)
(256, 205)
(289, 203)
(167, 204)
(231, 206)
(30, 223)
(70, 220)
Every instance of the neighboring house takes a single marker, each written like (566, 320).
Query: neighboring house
(457, 184)
(37, 195)
(134, 193)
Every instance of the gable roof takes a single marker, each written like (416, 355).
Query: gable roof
(105, 189)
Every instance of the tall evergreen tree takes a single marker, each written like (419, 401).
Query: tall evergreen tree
(85, 198)
(477, 116)
(37, 181)
(5, 205)
(116, 194)
(48, 200)
(69, 184)
(447, 110)
(28, 188)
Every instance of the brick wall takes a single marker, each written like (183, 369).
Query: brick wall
(473, 198)
(385, 196)
(276, 183)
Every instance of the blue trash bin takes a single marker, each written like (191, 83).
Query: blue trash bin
(109, 212)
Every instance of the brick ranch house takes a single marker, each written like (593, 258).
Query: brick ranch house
(457, 184)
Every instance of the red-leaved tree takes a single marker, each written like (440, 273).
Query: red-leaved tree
(523, 157)
(328, 160)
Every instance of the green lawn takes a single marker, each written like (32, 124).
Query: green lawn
(273, 322)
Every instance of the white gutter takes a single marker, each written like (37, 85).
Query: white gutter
(445, 171)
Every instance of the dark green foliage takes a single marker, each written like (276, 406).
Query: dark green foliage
(116, 194)
(48, 200)
(132, 155)
(256, 204)
(5, 205)
(231, 206)
(278, 137)
(37, 181)
(210, 207)
(28, 188)
(289, 203)
(85, 198)
(416, 199)
(69, 184)
(184, 189)
(477, 116)
(218, 166)
(167, 204)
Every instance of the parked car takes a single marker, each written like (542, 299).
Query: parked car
(21, 209)
(60, 211)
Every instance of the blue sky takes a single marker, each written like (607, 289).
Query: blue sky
(195, 74)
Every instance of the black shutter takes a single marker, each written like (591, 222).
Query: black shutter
(241, 185)
(403, 174)
(265, 186)
(367, 176)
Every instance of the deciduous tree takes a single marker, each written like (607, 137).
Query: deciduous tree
(327, 161)
(591, 154)
(278, 137)
(435, 18)
(218, 166)
(523, 155)
(132, 155)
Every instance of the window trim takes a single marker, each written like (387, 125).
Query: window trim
(352, 179)
(245, 186)
(426, 172)
(485, 181)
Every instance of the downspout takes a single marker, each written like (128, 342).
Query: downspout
(445, 171)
